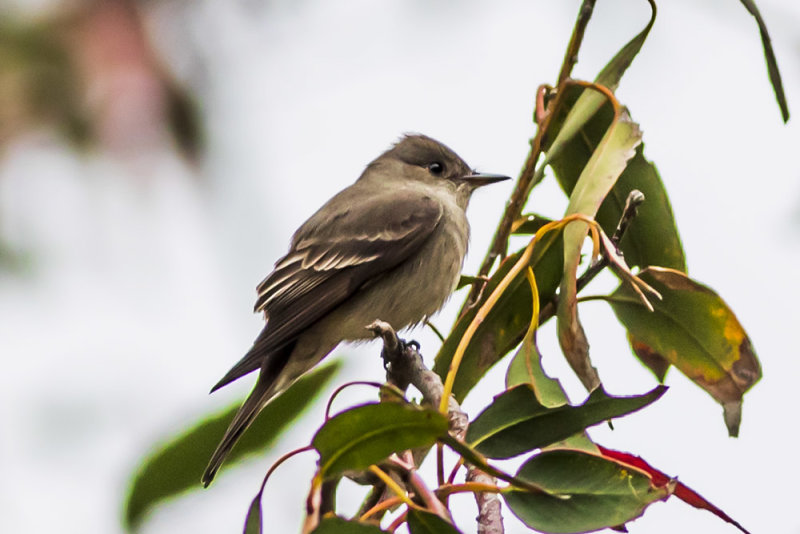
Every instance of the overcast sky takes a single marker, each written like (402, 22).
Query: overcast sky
(143, 276)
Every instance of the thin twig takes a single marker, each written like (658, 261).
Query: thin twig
(429, 497)
(525, 182)
(380, 507)
(467, 487)
(571, 56)
(404, 365)
(632, 203)
(390, 483)
(634, 200)
(341, 388)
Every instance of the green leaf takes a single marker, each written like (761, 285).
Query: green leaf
(252, 525)
(693, 329)
(337, 525)
(526, 368)
(466, 280)
(612, 73)
(585, 492)
(529, 224)
(516, 422)
(367, 434)
(176, 465)
(420, 522)
(597, 178)
(653, 237)
(507, 322)
(769, 54)
(653, 240)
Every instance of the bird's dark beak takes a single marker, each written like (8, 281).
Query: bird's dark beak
(479, 179)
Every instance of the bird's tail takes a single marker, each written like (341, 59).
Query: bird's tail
(261, 394)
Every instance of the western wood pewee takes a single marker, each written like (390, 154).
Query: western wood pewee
(388, 247)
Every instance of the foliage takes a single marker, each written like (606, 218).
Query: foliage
(175, 466)
(566, 483)
(57, 71)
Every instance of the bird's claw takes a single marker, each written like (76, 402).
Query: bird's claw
(406, 344)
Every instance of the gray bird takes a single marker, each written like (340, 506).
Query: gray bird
(390, 247)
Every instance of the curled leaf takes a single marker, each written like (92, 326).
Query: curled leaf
(680, 490)
(596, 180)
(769, 54)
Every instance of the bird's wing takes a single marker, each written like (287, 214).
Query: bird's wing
(331, 259)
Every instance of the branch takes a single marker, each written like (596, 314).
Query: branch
(490, 518)
(571, 56)
(529, 177)
(404, 366)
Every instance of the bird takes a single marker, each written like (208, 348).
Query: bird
(390, 246)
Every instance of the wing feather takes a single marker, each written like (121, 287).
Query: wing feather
(332, 256)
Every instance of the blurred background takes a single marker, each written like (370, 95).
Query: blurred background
(155, 157)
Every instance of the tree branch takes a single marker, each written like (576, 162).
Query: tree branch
(404, 366)
(571, 55)
(490, 518)
(528, 178)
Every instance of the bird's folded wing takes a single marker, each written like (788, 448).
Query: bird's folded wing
(331, 259)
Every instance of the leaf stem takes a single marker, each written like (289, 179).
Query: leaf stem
(392, 485)
(383, 505)
(467, 487)
(342, 388)
(490, 302)
(476, 459)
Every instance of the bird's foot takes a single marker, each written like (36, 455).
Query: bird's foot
(394, 351)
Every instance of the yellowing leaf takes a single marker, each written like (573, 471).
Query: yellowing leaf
(693, 329)
(596, 180)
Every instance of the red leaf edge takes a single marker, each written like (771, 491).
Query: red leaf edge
(681, 491)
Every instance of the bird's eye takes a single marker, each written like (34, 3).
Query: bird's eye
(436, 168)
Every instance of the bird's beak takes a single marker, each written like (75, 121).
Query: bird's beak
(479, 179)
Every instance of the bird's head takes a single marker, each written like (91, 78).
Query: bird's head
(418, 158)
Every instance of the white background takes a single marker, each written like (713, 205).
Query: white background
(141, 282)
